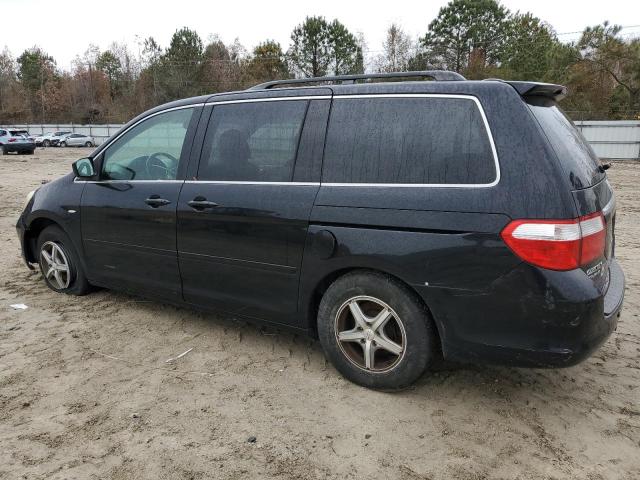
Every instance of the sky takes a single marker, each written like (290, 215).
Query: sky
(64, 29)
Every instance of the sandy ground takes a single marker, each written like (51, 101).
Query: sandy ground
(85, 390)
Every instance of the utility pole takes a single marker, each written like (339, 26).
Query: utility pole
(42, 86)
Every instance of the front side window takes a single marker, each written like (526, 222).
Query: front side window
(149, 151)
(407, 140)
(254, 141)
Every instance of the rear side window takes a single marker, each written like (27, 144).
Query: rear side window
(576, 156)
(407, 140)
(255, 141)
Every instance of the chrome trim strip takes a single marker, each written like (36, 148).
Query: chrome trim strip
(432, 185)
(242, 182)
(127, 181)
(269, 99)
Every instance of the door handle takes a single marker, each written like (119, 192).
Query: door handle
(201, 203)
(155, 201)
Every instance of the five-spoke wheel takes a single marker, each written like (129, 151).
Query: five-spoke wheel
(375, 330)
(370, 333)
(55, 266)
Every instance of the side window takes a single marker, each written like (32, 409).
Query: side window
(407, 140)
(2, 133)
(255, 141)
(149, 151)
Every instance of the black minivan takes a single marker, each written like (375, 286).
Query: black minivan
(398, 221)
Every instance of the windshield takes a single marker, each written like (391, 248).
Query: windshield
(578, 159)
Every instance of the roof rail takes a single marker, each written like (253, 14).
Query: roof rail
(437, 75)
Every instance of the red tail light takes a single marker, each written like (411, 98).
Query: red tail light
(12, 139)
(557, 244)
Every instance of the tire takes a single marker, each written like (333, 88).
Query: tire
(63, 144)
(46, 143)
(88, 144)
(408, 326)
(2, 150)
(55, 243)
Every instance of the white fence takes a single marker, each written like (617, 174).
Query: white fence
(100, 133)
(611, 139)
(619, 139)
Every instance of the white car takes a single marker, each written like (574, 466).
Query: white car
(51, 138)
(76, 140)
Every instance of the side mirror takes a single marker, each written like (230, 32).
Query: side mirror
(84, 168)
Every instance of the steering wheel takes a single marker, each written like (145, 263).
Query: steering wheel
(161, 168)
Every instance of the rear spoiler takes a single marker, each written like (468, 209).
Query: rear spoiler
(539, 89)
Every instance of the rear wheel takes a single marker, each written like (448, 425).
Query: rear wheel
(59, 263)
(46, 143)
(88, 144)
(3, 151)
(375, 331)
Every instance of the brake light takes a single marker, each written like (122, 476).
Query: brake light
(557, 244)
(12, 139)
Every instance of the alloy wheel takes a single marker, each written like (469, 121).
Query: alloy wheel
(55, 266)
(370, 334)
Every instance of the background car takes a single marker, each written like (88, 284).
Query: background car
(15, 141)
(51, 138)
(76, 140)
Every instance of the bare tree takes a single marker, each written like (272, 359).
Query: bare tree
(397, 51)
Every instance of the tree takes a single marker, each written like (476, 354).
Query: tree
(268, 62)
(309, 52)
(182, 65)
(223, 65)
(344, 52)
(397, 48)
(467, 35)
(527, 49)
(605, 52)
(35, 68)
(110, 65)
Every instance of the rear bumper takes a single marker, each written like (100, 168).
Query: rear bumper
(530, 318)
(19, 147)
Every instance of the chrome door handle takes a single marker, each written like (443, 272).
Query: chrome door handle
(155, 201)
(200, 203)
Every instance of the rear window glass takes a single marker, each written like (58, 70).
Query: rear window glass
(407, 141)
(576, 156)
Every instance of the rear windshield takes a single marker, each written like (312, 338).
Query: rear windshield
(578, 159)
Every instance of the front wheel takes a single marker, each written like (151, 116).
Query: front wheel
(59, 263)
(375, 331)
(63, 144)
(46, 143)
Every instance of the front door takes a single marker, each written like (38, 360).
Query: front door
(129, 213)
(242, 222)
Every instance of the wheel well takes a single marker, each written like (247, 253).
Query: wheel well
(32, 234)
(324, 284)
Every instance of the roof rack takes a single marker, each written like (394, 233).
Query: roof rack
(437, 75)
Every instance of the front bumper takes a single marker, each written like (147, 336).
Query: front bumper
(21, 229)
(530, 318)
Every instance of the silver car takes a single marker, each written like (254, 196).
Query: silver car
(76, 140)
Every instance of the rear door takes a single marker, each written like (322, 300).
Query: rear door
(129, 214)
(243, 218)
